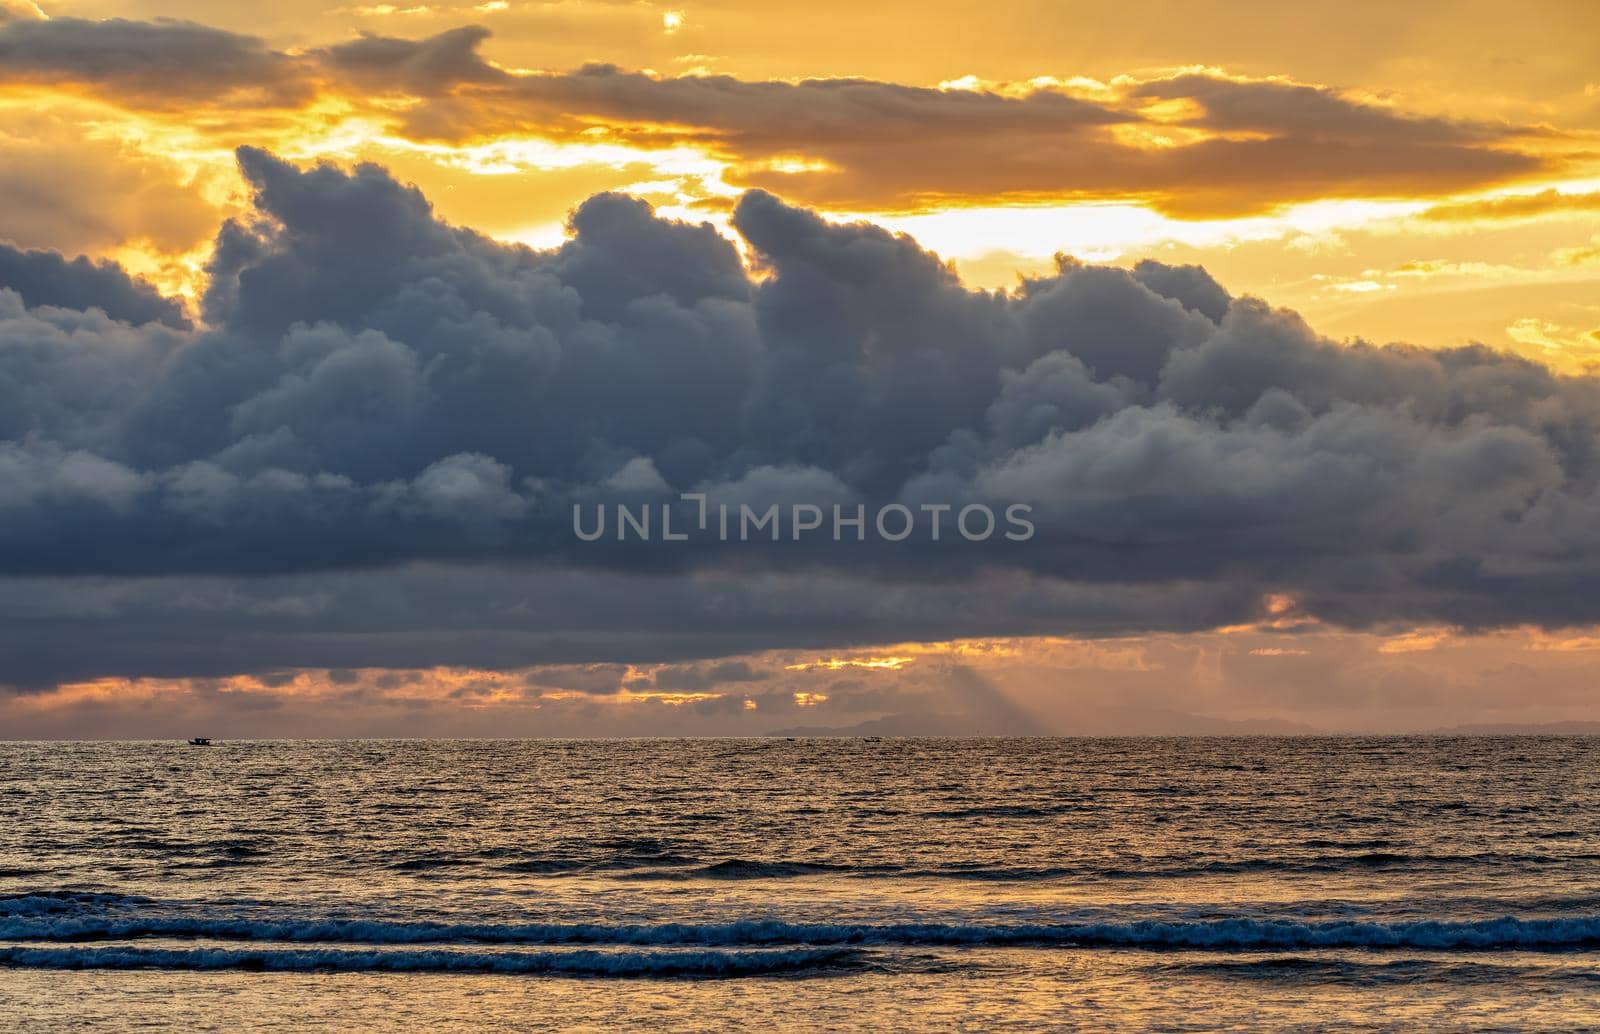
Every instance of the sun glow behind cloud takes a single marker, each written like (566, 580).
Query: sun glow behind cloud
(1105, 231)
(1059, 683)
(991, 232)
(695, 171)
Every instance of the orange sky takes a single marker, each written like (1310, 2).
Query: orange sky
(1390, 172)
(1242, 680)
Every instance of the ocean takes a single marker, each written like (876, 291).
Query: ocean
(1174, 884)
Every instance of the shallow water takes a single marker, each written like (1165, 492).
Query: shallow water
(1176, 883)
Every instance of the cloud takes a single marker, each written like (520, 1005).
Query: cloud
(873, 145)
(1313, 112)
(1519, 206)
(47, 278)
(379, 404)
(424, 67)
(163, 64)
(702, 677)
(20, 10)
(1254, 145)
(507, 616)
(1240, 146)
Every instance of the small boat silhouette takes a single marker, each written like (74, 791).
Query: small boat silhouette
(200, 741)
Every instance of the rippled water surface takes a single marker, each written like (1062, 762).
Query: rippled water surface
(1181, 884)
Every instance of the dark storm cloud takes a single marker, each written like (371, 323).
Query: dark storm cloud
(48, 278)
(508, 617)
(1191, 286)
(374, 393)
(696, 678)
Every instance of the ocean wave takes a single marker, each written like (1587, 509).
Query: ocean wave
(656, 862)
(1330, 864)
(1505, 933)
(747, 869)
(558, 866)
(682, 868)
(427, 864)
(500, 860)
(1005, 811)
(756, 869)
(1295, 969)
(686, 964)
(56, 902)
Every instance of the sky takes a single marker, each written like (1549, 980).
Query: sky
(317, 321)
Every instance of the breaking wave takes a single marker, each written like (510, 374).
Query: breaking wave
(703, 964)
(1505, 933)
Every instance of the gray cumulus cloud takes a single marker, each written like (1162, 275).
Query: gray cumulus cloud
(378, 409)
(48, 278)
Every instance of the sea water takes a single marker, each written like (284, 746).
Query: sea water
(817, 883)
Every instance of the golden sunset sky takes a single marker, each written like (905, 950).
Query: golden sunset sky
(1418, 172)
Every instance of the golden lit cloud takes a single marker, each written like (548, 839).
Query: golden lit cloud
(999, 173)
(1196, 143)
(838, 663)
(1516, 206)
(1334, 679)
(1581, 256)
(1415, 642)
